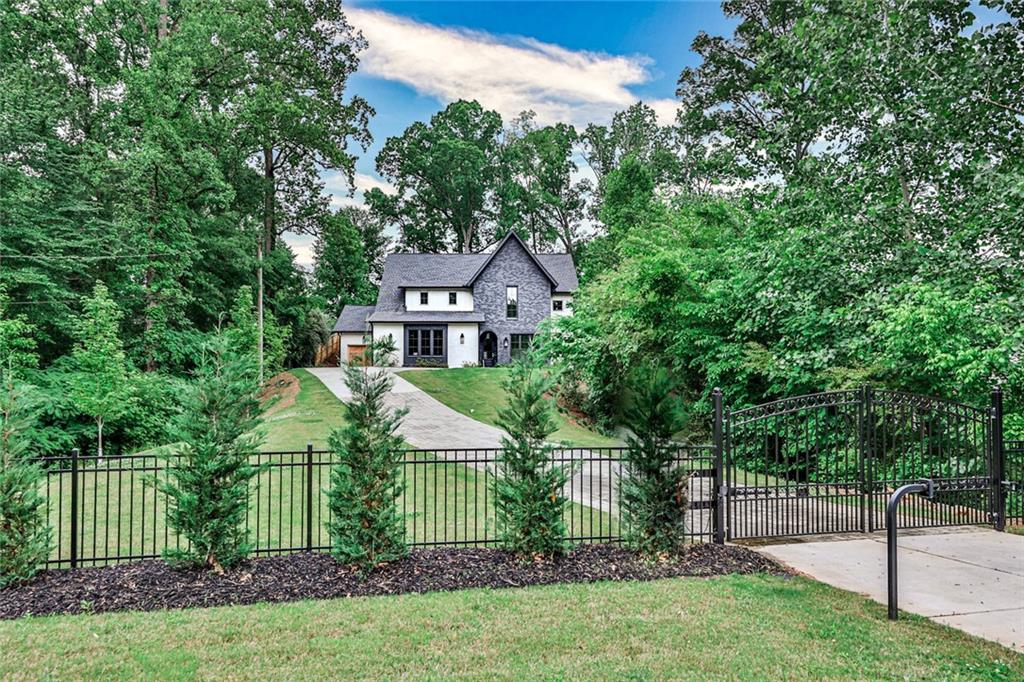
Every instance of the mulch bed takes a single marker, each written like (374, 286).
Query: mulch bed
(152, 585)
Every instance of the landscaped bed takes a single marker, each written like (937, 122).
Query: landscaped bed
(151, 585)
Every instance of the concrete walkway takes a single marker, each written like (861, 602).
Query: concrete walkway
(971, 579)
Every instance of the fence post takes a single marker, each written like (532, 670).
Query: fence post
(718, 493)
(74, 508)
(869, 454)
(997, 453)
(862, 453)
(309, 497)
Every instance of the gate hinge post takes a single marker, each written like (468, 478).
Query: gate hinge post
(997, 461)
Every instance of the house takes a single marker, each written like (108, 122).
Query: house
(453, 310)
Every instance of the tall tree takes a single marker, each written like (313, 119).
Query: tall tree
(540, 195)
(99, 382)
(341, 271)
(446, 176)
(635, 132)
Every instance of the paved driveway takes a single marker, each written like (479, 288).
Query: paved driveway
(969, 578)
(432, 425)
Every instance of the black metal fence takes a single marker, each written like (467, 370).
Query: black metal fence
(1013, 451)
(827, 463)
(109, 511)
(822, 463)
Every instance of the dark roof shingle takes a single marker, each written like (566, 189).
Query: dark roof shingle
(454, 270)
(353, 318)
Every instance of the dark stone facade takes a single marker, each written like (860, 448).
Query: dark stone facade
(512, 266)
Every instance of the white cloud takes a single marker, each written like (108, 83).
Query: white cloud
(507, 74)
(337, 186)
(302, 247)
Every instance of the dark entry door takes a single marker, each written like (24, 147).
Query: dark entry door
(488, 349)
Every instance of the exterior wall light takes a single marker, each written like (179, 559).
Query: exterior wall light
(462, 339)
(505, 342)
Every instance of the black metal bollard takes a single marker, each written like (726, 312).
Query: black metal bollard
(926, 486)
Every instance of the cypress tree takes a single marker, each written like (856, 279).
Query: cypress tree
(366, 528)
(208, 475)
(25, 532)
(529, 500)
(654, 489)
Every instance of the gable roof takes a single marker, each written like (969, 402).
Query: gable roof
(353, 318)
(512, 235)
(459, 271)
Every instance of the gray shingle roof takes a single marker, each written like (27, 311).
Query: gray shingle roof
(353, 318)
(561, 267)
(454, 270)
(425, 316)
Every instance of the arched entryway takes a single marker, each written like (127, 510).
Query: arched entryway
(488, 349)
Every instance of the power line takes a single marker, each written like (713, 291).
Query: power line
(68, 257)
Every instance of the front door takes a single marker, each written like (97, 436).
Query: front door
(488, 349)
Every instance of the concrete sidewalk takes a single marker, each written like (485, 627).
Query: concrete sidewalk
(971, 579)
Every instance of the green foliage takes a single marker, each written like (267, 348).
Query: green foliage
(529, 498)
(445, 174)
(244, 333)
(208, 474)
(366, 527)
(139, 160)
(25, 532)
(342, 270)
(100, 381)
(17, 339)
(655, 489)
(867, 225)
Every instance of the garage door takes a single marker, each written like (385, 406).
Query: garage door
(357, 354)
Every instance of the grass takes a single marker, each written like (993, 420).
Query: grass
(442, 502)
(734, 627)
(312, 416)
(478, 392)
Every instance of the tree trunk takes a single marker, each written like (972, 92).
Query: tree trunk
(265, 245)
(269, 226)
(149, 278)
(99, 438)
(259, 310)
(161, 29)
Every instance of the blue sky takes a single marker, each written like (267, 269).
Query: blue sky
(569, 61)
(575, 62)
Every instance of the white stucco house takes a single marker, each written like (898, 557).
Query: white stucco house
(453, 310)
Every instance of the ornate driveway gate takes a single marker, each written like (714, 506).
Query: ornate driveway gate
(827, 463)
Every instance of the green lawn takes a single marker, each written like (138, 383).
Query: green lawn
(310, 419)
(478, 392)
(735, 627)
(442, 502)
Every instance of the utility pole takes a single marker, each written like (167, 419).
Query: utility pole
(259, 305)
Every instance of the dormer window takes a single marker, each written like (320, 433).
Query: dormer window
(424, 297)
(453, 298)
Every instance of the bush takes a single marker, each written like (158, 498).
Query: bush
(529, 500)
(366, 528)
(24, 530)
(208, 475)
(654, 490)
